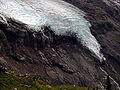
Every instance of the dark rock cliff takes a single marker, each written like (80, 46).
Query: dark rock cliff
(60, 59)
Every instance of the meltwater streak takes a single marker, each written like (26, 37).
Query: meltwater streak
(60, 15)
(110, 77)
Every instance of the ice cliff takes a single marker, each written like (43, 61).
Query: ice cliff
(61, 16)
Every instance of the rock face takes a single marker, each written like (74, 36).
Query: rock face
(60, 59)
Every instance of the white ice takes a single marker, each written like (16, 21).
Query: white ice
(61, 16)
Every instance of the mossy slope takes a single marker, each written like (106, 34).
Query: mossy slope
(13, 82)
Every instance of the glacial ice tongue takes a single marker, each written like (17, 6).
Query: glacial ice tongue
(61, 16)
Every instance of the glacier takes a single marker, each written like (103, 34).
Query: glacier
(61, 16)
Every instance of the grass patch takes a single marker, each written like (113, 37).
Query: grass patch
(13, 82)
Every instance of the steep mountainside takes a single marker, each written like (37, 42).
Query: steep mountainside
(80, 47)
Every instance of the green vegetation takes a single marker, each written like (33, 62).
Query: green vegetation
(13, 82)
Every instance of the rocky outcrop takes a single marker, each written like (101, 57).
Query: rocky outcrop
(105, 27)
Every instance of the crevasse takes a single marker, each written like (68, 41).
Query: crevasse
(61, 16)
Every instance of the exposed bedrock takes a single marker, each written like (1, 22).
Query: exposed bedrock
(56, 59)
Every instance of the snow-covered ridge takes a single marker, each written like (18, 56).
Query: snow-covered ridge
(61, 16)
